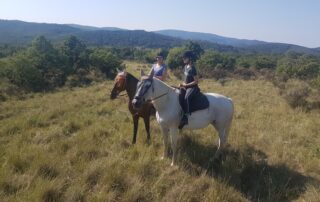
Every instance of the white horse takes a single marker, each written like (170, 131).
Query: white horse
(166, 101)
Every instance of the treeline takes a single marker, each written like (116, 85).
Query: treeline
(43, 66)
(213, 64)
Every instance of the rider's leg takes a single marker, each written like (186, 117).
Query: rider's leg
(184, 119)
(181, 99)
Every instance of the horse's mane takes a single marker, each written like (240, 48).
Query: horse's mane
(130, 76)
(164, 83)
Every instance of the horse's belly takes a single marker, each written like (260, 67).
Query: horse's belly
(168, 121)
(199, 119)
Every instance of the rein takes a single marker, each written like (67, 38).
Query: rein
(122, 94)
(153, 99)
(159, 96)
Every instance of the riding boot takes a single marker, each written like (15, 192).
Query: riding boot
(183, 121)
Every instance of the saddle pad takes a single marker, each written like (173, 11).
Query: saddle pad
(199, 102)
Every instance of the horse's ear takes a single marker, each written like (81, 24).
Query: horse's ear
(142, 73)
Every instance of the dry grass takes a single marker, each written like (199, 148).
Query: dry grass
(74, 145)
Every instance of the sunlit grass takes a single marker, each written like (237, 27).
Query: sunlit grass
(75, 145)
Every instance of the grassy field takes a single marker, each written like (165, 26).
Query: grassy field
(75, 145)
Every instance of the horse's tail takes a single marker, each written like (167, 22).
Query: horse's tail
(228, 125)
(232, 104)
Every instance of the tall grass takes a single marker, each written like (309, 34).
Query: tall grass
(74, 145)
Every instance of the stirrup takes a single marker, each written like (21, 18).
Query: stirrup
(183, 121)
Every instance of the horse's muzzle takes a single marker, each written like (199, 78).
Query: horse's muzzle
(113, 95)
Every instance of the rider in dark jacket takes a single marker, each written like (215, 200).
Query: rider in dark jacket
(189, 88)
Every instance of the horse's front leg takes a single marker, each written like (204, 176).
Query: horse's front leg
(174, 137)
(135, 127)
(147, 127)
(165, 134)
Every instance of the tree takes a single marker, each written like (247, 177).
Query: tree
(174, 58)
(211, 60)
(105, 61)
(265, 62)
(76, 54)
(23, 73)
(46, 59)
(195, 48)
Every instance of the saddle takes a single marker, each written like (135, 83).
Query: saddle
(198, 102)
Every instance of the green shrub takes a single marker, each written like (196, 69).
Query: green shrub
(296, 93)
(211, 63)
(299, 66)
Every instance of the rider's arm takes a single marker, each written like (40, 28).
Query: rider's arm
(195, 78)
(195, 82)
(164, 74)
(151, 71)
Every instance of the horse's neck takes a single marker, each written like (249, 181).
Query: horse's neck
(167, 102)
(131, 86)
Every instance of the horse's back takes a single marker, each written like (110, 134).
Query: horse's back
(215, 97)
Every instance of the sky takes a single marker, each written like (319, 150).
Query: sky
(286, 21)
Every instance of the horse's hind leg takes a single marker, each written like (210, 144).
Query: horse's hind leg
(135, 128)
(147, 126)
(221, 143)
(223, 136)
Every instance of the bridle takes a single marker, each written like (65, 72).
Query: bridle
(118, 78)
(153, 99)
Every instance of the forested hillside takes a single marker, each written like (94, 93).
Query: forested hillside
(20, 33)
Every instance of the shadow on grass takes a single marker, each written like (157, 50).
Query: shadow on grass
(246, 170)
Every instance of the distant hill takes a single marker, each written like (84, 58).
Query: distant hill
(91, 28)
(21, 33)
(210, 37)
(248, 45)
(125, 38)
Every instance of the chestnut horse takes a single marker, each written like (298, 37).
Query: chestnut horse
(126, 81)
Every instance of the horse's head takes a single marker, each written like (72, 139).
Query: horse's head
(119, 84)
(144, 92)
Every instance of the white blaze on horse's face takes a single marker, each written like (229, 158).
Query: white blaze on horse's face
(143, 93)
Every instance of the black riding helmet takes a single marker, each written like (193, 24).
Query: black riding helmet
(160, 55)
(188, 54)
